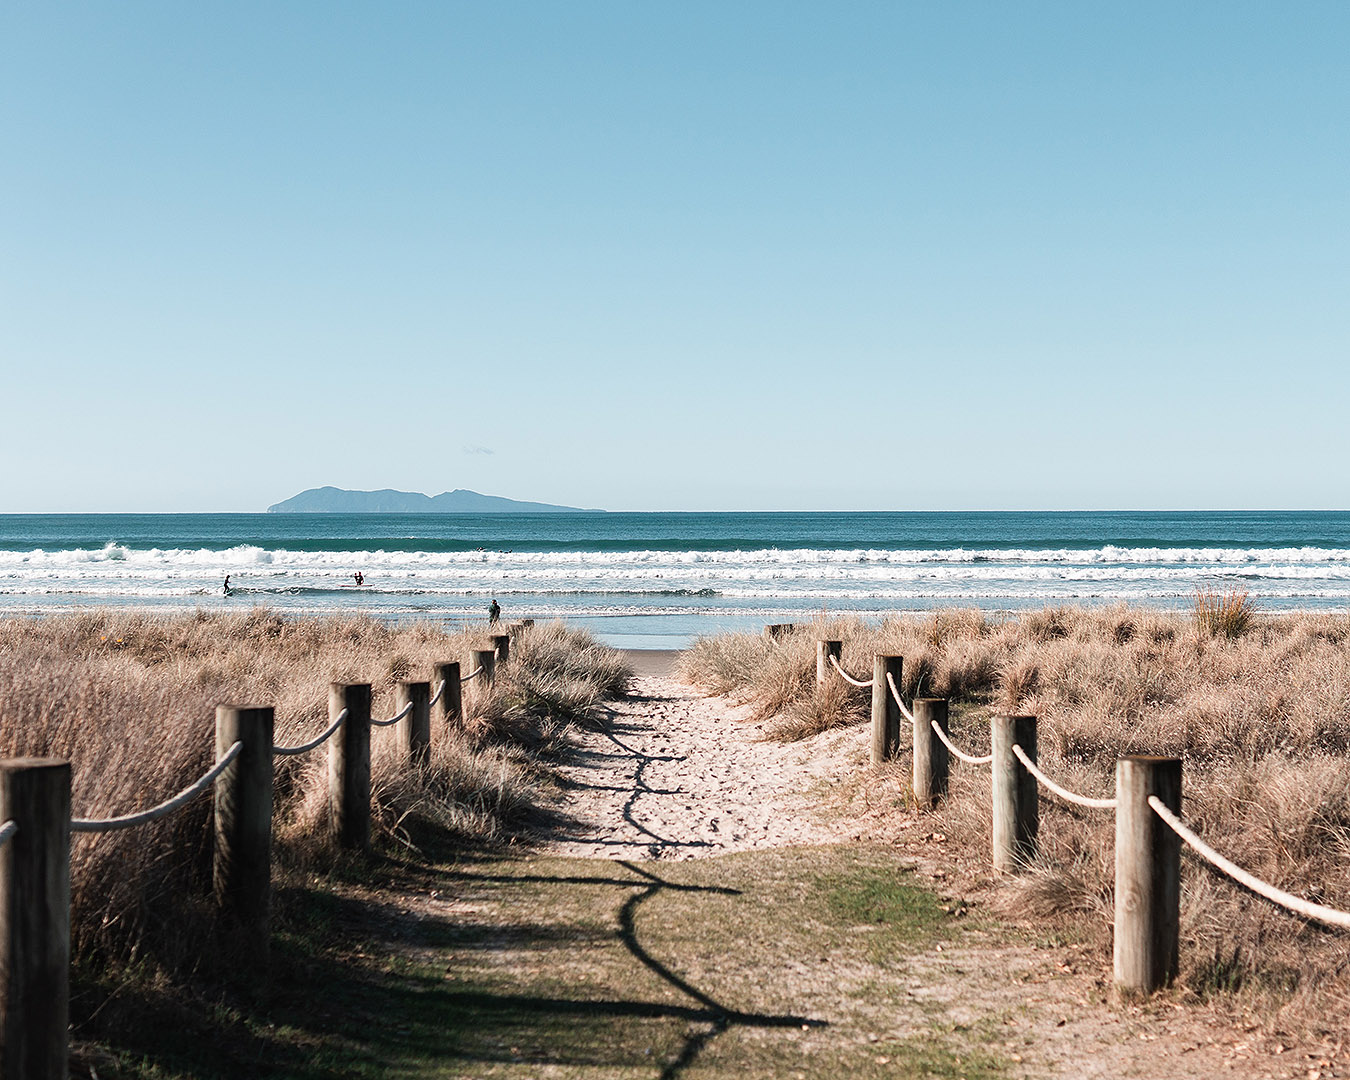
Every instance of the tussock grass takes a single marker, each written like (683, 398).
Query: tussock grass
(130, 700)
(1258, 707)
(1228, 614)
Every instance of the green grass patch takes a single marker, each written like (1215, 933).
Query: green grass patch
(887, 900)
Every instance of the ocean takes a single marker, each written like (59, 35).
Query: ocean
(657, 580)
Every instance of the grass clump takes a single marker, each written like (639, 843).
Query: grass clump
(1224, 614)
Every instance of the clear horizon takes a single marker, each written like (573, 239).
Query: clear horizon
(758, 258)
(678, 510)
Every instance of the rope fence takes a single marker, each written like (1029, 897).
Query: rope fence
(164, 809)
(969, 759)
(847, 677)
(396, 717)
(35, 795)
(1329, 916)
(1063, 792)
(1148, 789)
(899, 701)
(305, 748)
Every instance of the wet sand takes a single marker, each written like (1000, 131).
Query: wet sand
(653, 661)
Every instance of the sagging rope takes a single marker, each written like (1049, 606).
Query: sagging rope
(969, 759)
(396, 717)
(1318, 912)
(437, 695)
(472, 675)
(895, 693)
(1062, 792)
(305, 748)
(7, 831)
(847, 676)
(144, 817)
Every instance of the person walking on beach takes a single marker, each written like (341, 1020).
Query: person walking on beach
(494, 613)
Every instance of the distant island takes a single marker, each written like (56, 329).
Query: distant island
(331, 500)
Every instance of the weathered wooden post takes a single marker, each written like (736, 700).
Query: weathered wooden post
(1148, 874)
(349, 765)
(501, 645)
(487, 660)
(931, 759)
(35, 920)
(414, 730)
(1016, 810)
(775, 631)
(824, 650)
(885, 709)
(450, 705)
(242, 859)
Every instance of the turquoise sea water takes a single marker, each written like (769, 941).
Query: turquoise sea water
(658, 579)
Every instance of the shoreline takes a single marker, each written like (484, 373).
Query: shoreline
(660, 632)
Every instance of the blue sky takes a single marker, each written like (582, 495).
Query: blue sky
(678, 256)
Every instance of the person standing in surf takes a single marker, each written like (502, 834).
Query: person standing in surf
(226, 587)
(494, 613)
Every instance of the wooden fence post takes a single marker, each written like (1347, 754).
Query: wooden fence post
(1016, 810)
(501, 645)
(487, 660)
(450, 706)
(414, 730)
(349, 766)
(931, 759)
(1148, 874)
(824, 650)
(242, 858)
(885, 709)
(774, 631)
(35, 920)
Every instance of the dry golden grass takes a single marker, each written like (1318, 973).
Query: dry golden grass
(1258, 707)
(1227, 613)
(130, 700)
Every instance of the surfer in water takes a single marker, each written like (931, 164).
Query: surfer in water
(360, 579)
(226, 587)
(494, 613)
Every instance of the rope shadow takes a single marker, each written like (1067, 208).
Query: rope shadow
(657, 844)
(720, 1017)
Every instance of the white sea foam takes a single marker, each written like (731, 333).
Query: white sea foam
(644, 581)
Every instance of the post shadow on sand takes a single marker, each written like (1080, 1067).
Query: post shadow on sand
(382, 1014)
(706, 1009)
(561, 827)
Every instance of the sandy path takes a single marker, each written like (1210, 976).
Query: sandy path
(668, 773)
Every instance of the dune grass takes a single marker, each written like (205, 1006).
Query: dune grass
(1257, 706)
(129, 699)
